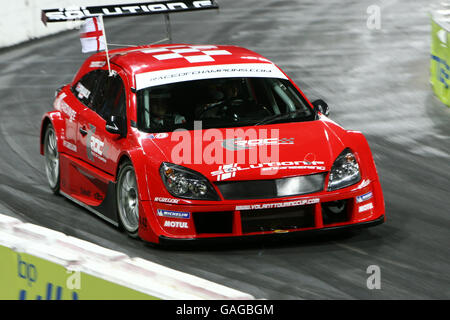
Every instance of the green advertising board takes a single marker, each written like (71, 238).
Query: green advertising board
(440, 59)
(26, 277)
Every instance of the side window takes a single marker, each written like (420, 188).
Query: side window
(85, 88)
(111, 99)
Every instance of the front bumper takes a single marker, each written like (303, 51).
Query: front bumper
(163, 240)
(282, 217)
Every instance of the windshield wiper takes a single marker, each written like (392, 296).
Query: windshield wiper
(278, 117)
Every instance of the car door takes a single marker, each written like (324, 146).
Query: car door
(99, 148)
(73, 102)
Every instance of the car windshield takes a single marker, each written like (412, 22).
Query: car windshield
(220, 103)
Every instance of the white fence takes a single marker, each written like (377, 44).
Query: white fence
(31, 257)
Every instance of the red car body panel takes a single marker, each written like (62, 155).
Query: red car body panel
(89, 164)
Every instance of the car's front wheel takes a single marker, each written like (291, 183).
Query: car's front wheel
(51, 159)
(128, 199)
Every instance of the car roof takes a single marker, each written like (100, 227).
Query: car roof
(136, 60)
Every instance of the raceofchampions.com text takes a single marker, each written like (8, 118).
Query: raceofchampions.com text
(225, 310)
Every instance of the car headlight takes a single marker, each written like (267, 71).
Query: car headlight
(185, 183)
(345, 171)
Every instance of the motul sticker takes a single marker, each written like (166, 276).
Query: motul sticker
(176, 224)
(366, 207)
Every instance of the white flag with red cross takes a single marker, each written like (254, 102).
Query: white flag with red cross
(92, 35)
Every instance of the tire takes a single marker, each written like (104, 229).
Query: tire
(128, 199)
(51, 155)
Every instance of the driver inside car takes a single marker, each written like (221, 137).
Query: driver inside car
(159, 110)
(220, 98)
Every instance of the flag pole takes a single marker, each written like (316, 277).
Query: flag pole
(106, 44)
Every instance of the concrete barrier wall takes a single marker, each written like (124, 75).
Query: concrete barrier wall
(39, 263)
(20, 20)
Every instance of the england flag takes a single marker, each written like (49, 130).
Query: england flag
(92, 35)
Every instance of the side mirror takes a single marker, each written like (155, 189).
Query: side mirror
(115, 126)
(322, 107)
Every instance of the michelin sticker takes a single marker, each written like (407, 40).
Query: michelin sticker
(173, 214)
(364, 197)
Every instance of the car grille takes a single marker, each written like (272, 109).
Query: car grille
(267, 189)
(213, 222)
(278, 219)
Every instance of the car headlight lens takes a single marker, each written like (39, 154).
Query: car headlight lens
(185, 183)
(345, 171)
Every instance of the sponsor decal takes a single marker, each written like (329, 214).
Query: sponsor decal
(71, 114)
(240, 144)
(176, 224)
(83, 92)
(364, 197)
(258, 70)
(97, 64)
(173, 214)
(61, 105)
(229, 171)
(79, 13)
(278, 204)
(70, 146)
(158, 136)
(366, 207)
(96, 148)
(167, 200)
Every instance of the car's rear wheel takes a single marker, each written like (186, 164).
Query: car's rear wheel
(51, 159)
(128, 199)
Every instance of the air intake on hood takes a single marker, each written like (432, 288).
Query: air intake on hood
(267, 189)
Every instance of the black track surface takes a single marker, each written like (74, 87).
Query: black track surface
(376, 81)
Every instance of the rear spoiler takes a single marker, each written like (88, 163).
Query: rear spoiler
(129, 9)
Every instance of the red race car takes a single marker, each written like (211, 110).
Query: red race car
(191, 142)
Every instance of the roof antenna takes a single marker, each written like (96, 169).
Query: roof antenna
(168, 28)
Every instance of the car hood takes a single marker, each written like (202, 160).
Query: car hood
(266, 152)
